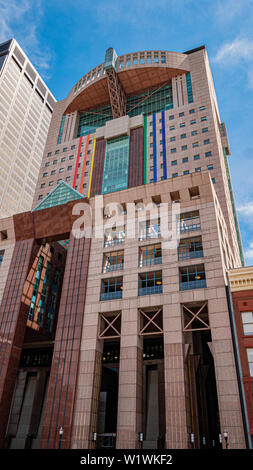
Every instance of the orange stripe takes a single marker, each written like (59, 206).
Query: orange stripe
(84, 162)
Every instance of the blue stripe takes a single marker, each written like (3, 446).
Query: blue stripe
(154, 150)
(164, 147)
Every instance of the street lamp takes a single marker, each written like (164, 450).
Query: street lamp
(60, 435)
(225, 434)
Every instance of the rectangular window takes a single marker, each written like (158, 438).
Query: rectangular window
(172, 139)
(1, 256)
(206, 141)
(184, 147)
(208, 154)
(149, 229)
(189, 221)
(182, 124)
(183, 136)
(47, 164)
(111, 289)
(196, 157)
(189, 248)
(205, 129)
(174, 162)
(150, 283)
(172, 128)
(61, 170)
(55, 162)
(45, 174)
(174, 175)
(49, 154)
(185, 160)
(210, 167)
(193, 122)
(250, 360)
(203, 118)
(116, 165)
(194, 132)
(113, 261)
(191, 111)
(53, 172)
(69, 167)
(71, 157)
(198, 169)
(186, 172)
(114, 236)
(171, 117)
(195, 144)
(202, 108)
(150, 254)
(173, 150)
(247, 323)
(181, 114)
(192, 277)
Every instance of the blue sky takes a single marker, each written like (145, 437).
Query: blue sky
(65, 39)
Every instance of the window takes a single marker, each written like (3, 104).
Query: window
(172, 128)
(205, 129)
(45, 174)
(196, 157)
(114, 236)
(55, 162)
(189, 221)
(171, 117)
(115, 177)
(172, 139)
(149, 229)
(111, 288)
(184, 147)
(198, 169)
(185, 160)
(173, 150)
(73, 147)
(53, 172)
(181, 114)
(208, 154)
(174, 162)
(189, 248)
(247, 323)
(71, 157)
(193, 122)
(192, 277)
(191, 111)
(1, 256)
(47, 163)
(186, 172)
(68, 178)
(195, 144)
(50, 183)
(194, 132)
(194, 192)
(206, 141)
(150, 254)
(174, 175)
(150, 283)
(183, 136)
(57, 151)
(42, 185)
(151, 133)
(210, 167)
(213, 180)
(250, 360)
(182, 124)
(49, 154)
(61, 170)
(69, 167)
(63, 159)
(203, 118)
(113, 261)
(202, 108)
(40, 196)
(65, 149)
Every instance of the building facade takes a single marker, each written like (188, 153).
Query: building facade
(141, 351)
(26, 106)
(241, 286)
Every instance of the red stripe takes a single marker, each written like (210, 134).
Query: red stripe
(77, 161)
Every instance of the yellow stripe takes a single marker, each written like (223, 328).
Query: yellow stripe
(93, 153)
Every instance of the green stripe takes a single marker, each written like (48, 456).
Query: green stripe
(145, 151)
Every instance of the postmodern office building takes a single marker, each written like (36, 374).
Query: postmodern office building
(114, 341)
(26, 107)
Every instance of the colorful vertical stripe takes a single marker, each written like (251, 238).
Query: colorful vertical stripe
(145, 151)
(84, 162)
(92, 163)
(154, 150)
(164, 147)
(77, 161)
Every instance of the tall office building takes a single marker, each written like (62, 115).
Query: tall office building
(26, 107)
(113, 341)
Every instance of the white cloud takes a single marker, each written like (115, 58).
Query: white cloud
(21, 19)
(239, 48)
(246, 209)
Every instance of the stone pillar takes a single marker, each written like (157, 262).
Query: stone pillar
(13, 317)
(63, 376)
(225, 371)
